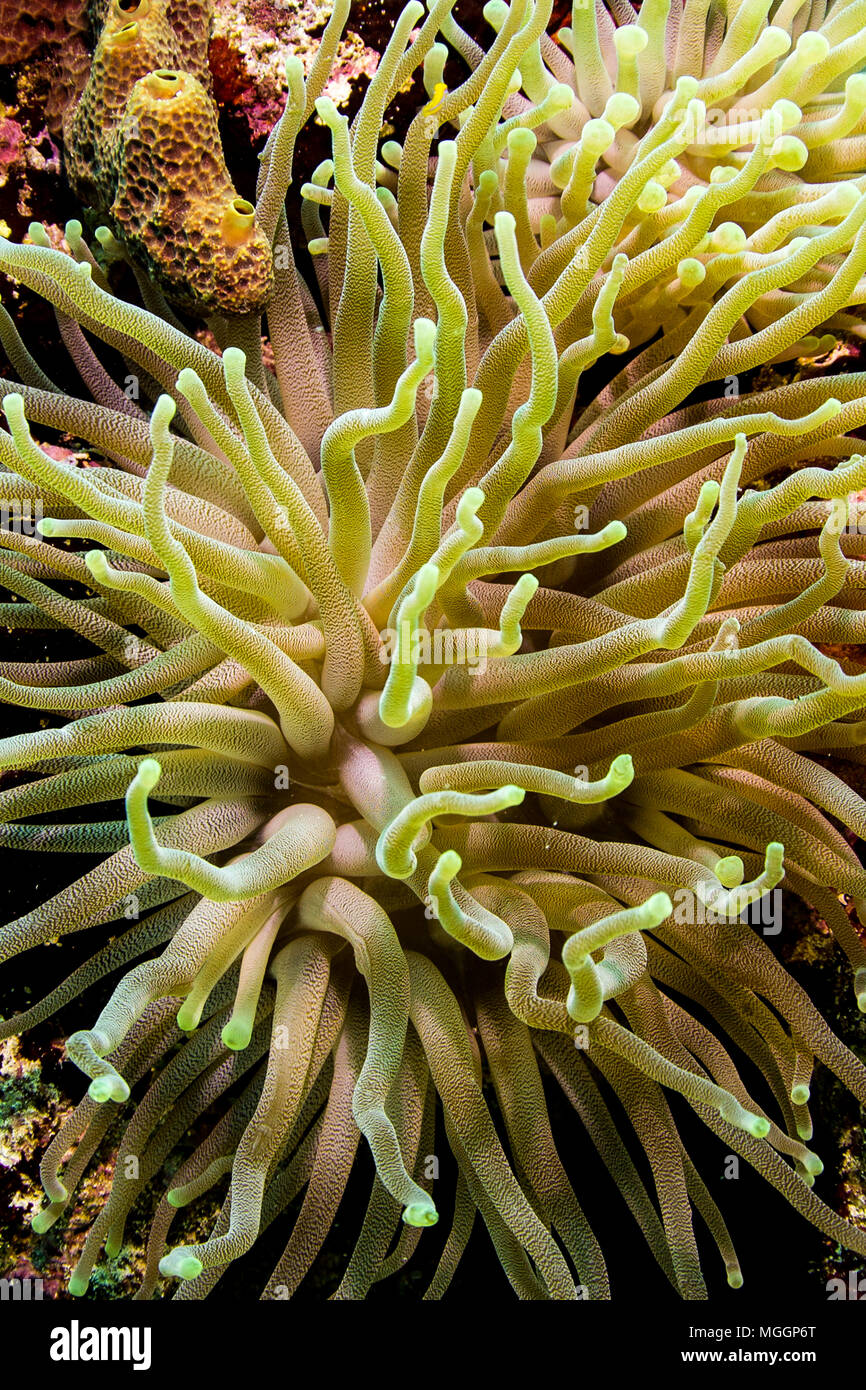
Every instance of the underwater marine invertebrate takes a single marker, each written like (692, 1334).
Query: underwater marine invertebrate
(143, 146)
(25, 28)
(381, 867)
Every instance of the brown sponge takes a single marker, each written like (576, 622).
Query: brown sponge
(143, 148)
(176, 207)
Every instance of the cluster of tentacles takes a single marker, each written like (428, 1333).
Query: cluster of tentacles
(771, 138)
(478, 718)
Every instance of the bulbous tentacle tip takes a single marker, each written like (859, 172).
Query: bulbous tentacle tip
(179, 1264)
(730, 871)
(187, 380)
(188, 1017)
(13, 407)
(106, 1088)
(860, 988)
(234, 364)
(149, 773)
(800, 1095)
(43, 1220)
(658, 907)
(621, 771)
(735, 1277)
(686, 89)
(78, 1284)
(420, 1214)
(736, 1114)
(236, 1035)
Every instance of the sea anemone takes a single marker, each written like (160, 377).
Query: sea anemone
(480, 705)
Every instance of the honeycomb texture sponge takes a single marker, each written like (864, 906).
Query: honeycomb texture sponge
(143, 148)
(175, 206)
(25, 27)
(190, 20)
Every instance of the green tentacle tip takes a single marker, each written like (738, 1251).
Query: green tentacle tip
(188, 1017)
(736, 1114)
(424, 338)
(467, 508)
(149, 773)
(420, 1214)
(860, 988)
(188, 381)
(38, 235)
(327, 111)
(730, 871)
(800, 1094)
(13, 408)
(657, 908)
(43, 1220)
(105, 1088)
(757, 1125)
(425, 586)
(77, 1285)
(97, 563)
(735, 1277)
(444, 871)
(812, 1163)
(522, 141)
(236, 1035)
(234, 362)
(294, 69)
(112, 248)
(495, 12)
(179, 1264)
(174, 1197)
(621, 771)
(505, 797)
